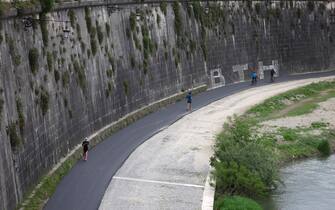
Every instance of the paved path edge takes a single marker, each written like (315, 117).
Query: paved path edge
(209, 192)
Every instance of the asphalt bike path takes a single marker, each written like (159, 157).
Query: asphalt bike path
(84, 186)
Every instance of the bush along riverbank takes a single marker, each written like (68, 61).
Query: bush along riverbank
(251, 148)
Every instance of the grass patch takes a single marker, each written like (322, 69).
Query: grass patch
(236, 203)
(264, 110)
(317, 125)
(303, 109)
(49, 184)
(289, 134)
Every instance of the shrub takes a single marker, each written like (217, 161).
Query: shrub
(47, 5)
(324, 148)
(236, 203)
(197, 11)
(33, 60)
(4, 6)
(242, 165)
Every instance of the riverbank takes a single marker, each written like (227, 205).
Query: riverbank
(293, 125)
(169, 170)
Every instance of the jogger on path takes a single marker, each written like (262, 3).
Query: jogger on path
(85, 148)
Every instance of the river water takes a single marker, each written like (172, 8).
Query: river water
(308, 185)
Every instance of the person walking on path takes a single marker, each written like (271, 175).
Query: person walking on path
(253, 77)
(189, 101)
(85, 148)
(272, 72)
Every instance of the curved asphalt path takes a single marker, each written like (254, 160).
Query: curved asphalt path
(85, 185)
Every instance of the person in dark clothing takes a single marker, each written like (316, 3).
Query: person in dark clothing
(272, 72)
(85, 148)
(189, 101)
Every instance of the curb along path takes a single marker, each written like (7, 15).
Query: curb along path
(169, 170)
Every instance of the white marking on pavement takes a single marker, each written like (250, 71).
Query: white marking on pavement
(158, 182)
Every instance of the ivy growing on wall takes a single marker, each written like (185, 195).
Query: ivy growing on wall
(125, 87)
(99, 32)
(178, 24)
(47, 5)
(50, 61)
(16, 58)
(91, 30)
(43, 100)
(14, 138)
(72, 17)
(81, 77)
(44, 29)
(33, 60)
(20, 114)
(1, 107)
(163, 7)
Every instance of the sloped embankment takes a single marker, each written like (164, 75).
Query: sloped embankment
(293, 125)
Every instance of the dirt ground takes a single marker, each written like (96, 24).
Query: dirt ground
(325, 113)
